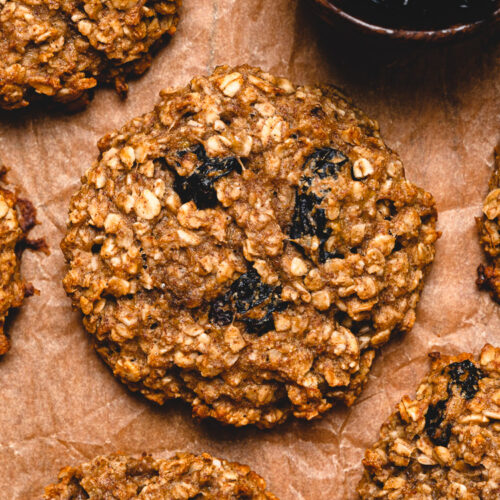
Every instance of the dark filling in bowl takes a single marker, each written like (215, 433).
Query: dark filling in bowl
(419, 14)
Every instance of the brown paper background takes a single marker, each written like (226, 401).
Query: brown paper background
(439, 108)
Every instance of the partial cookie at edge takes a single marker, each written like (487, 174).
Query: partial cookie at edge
(183, 476)
(489, 235)
(445, 442)
(62, 49)
(17, 217)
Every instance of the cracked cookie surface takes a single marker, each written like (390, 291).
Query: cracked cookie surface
(63, 48)
(444, 443)
(17, 217)
(489, 235)
(247, 246)
(183, 476)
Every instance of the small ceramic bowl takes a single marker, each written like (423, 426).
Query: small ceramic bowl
(331, 12)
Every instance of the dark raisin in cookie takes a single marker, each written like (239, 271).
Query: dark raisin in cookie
(445, 443)
(181, 477)
(247, 246)
(64, 48)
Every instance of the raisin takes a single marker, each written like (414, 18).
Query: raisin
(241, 300)
(434, 418)
(220, 311)
(465, 375)
(248, 291)
(199, 186)
(308, 218)
(325, 162)
(266, 323)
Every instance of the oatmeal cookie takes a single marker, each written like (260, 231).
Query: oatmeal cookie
(489, 235)
(247, 246)
(17, 217)
(63, 48)
(183, 476)
(445, 443)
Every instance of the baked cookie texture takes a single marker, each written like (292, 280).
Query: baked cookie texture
(17, 217)
(444, 443)
(184, 476)
(247, 246)
(64, 48)
(489, 235)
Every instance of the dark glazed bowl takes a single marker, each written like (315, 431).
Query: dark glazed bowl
(338, 17)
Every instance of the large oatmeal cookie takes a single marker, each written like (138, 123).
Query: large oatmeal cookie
(17, 217)
(63, 48)
(183, 476)
(489, 234)
(445, 443)
(247, 246)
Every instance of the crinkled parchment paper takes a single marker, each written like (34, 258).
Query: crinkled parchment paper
(439, 108)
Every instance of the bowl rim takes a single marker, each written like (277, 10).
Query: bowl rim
(401, 33)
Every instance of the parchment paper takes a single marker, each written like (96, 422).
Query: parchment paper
(439, 108)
